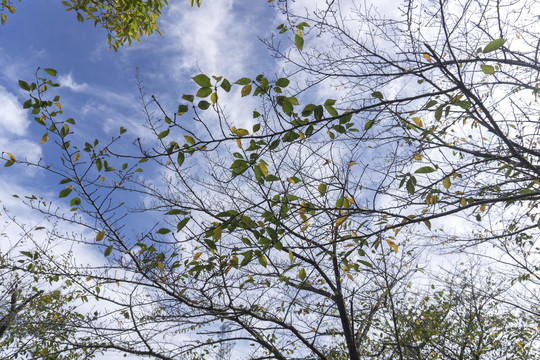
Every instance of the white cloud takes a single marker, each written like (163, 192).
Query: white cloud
(69, 82)
(12, 116)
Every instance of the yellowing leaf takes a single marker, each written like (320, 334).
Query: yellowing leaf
(302, 136)
(100, 235)
(11, 157)
(352, 163)
(340, 220)
(217, 233)
(483, 207)
(349, 276)
(417, 157)
(417, 121)
(427, 57)
(197, 255)
(302, 274)
(264, 168)
(77, 156)
(241, 132)
(392, 244)
(463, 202)
(239, 143)
(160, 266)
(291, 257)
(214, 98)
(58, 105)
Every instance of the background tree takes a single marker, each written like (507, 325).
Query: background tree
(302, 227)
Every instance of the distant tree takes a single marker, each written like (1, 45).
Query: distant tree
(124, 20)
(302, 226)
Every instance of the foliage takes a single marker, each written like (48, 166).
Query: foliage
(302, 227)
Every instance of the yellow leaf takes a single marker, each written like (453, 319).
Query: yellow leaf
(352, 163)
(291, 257)
(217, 233)
(349, 276)
(77, 156)
(299, 33)
(102, 179)
(417, 121)
(242, 132)
(214, 98)
(45, 138)
(197, 255)
(427, 57)
(58, 105)
(417, 157)
(3, 18)
(44, 88)
(11, 157)
(340, 220)
(160, 266)
(239, 143)
(463, 202)
(483, 207)
(392, 244)
(264, 168)
(88, 278)
(301, 135)
(100, 235)
(118, 283)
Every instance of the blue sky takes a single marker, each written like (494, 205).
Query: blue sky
(98, 85)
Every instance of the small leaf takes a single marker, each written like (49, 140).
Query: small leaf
(488, 69)
(417, 121)
(377, 95)
(163, 134)
(51, 72)
(282, 82)
(447, 183)
(425, 170)
(299, 42)
(494, 45)
(369, 124)
(214, 98)
(340, 220)
(181, 158)
(322, 189)
(160, 266)
(291, 257)
(427, 57)
(302, 274)
(24, 85)
(189, 139)
(163, 231)
(182, 223)
(100, 236)
(108, 250)
(463, 202)
(65, 192)
(77, 156)
(483, 207)
(202, 80)
(417, 157)
(246, 90)
(11, 157)
(392, 244)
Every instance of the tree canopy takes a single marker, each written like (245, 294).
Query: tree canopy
(322, 227)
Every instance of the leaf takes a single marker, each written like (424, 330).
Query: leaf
(214, 98)
(75, 202)
(282, 82)
(182, 224)
(108, 250)
(417, 121)
(369, 124)
(427, 57)
(264, 168)
(51, 72)
(392, 244)
(447, 183)
(463, 202)
(488, 69)
(291, 257)
(201, 79)
(203, 105)
(226, 85)
(340, 220)
(322, 189)
(204, 92)
(243, 81)
(160, 266)
(417, 157)
(483, 207)
(163, 231)
(302, 274)
(163, 134)
(24, 85)
(425, 170)
(494, 45)
(299, 42)
(246, 90)
(377, 95)
(189, 139)
(65, 192)
(100, 236)
(181, 158)
(11, 157)
(3, 18)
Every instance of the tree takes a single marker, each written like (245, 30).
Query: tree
(292, 229)
(125, 20)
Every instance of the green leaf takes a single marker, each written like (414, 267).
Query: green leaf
(189, 139)
(243, 81)
(182, 224)
(494, 45)
(202, 80)
(181, 158)
(163, 231)
(51, 72)
(226, 85)
(488, 69)
(246, 90)
(204, 92)
(282, 82)
(176, 212)
(203, 105)
(108, 250)
(24, 85)
(189, 98)
(163, 134)
(299, 42)
(322, 189)
(65, 192)
(369, 124)
(425, 170)
(447, 183)
(302, 274)
(377, 95)
(75, 202)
